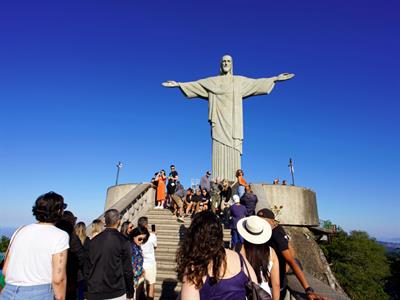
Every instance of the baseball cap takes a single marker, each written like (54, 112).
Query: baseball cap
(266, 213)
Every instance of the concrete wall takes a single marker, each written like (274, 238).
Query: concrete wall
(116, 192)
(299, 205)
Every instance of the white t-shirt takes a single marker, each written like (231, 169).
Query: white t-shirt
(149, 257)
(31, 254)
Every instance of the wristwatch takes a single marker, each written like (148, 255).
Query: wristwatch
(309, 290)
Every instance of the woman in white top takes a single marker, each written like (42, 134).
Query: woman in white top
(35, 267)
(260, 255)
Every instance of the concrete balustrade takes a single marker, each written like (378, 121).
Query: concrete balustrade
(299, 204)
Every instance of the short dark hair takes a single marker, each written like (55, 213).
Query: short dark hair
(49, 207)
(172, 166)
(143, 222)
(111, 217)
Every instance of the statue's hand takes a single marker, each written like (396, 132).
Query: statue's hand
(284, 76)
(170, 83)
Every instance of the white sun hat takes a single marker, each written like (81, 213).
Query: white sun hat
(254, 229)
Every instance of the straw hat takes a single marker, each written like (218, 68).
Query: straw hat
(254, 229)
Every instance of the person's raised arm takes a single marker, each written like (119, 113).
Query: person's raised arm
(59, 274)
(311, 295)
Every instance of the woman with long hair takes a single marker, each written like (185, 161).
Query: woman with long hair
(206, 269)
(126, 228)
(80, 232)
(260, 255)
(138, 236)
(97, 227)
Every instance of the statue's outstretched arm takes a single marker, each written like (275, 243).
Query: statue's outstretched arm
(284, 76)
(170, 83)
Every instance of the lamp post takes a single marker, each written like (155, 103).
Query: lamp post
(291, 169)
(119, 166)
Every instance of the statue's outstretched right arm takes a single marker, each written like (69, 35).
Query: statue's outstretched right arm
(170, 83)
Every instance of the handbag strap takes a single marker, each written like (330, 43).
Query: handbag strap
(243, 262)
(12, 240)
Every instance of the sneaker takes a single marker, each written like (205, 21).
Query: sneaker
(181, 220)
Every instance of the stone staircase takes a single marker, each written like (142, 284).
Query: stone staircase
(169, 232)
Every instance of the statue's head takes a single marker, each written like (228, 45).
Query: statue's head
(226, 65)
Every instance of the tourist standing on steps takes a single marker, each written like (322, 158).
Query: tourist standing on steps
(249, 200)
(172, 179)
(241, 182)
(97, 227)
(260, 255)
(161, 179)
(35, 263)
(280, 243)
(177, 199)
(80, 232)
(205, 183)
(109, 269)
(149, 258)
(76, 254)
(138, 236)
(206, 269)
(238, 212)
(126, 228)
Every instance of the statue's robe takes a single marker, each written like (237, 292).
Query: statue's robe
(225, 94)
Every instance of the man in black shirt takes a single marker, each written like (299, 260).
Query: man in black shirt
(280, 242)
(109, 270)
(172, 179)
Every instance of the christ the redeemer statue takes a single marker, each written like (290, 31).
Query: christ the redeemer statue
(225, 94)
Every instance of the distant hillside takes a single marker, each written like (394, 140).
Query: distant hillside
(391, 246)
(7, 231)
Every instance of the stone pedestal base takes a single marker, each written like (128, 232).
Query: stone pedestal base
(292, 205)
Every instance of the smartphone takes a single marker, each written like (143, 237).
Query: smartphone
(153, 228)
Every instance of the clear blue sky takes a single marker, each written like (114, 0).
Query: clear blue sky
(80, 90)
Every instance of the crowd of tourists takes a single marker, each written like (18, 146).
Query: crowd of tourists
(55, 259)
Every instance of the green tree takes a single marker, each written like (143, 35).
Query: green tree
(360, 265)
(4, 241)
(393, 285)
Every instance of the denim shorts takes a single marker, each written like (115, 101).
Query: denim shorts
(33, 292)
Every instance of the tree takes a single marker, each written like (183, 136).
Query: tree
(359, 264)
(393, 284)
(4, 241)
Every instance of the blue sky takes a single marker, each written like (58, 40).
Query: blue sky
(80, 90)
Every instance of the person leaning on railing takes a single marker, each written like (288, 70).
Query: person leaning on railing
(280, 243)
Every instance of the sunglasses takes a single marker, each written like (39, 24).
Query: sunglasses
(140, 239)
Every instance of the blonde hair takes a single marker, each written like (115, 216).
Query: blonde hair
(80, 231)
(97, 227)
(225, 184)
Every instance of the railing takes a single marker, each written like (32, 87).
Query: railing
(134, 204)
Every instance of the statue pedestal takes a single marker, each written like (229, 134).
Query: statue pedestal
(299, 204)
